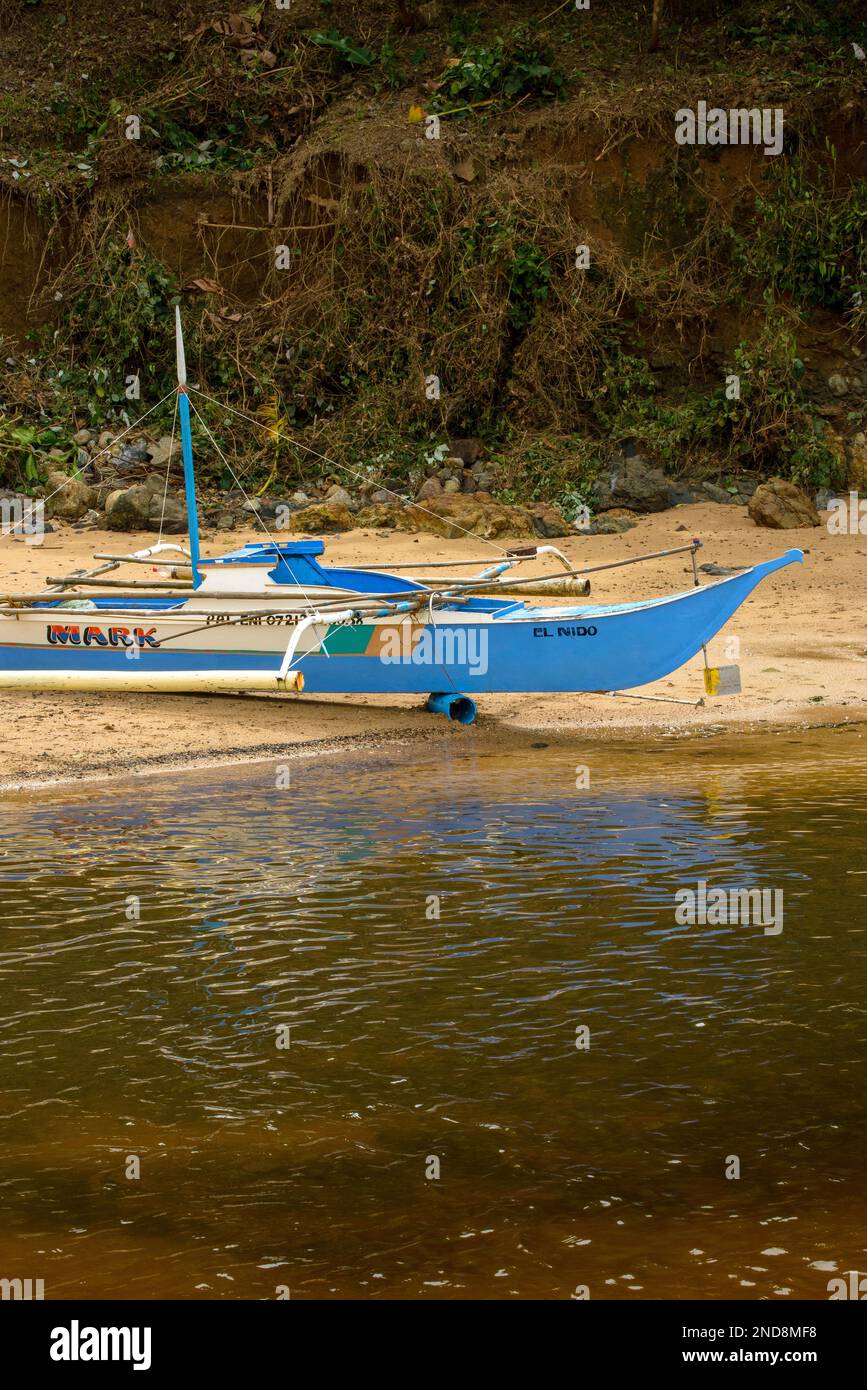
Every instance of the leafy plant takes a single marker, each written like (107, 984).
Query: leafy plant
(389, 62)
(22, 452)
(346, 52)
(809, 239)
(561, 470)
(793, 24)
(463, 24)
(526, 268)
(516, 67)
(771, 426)
(529, 281)
(225, 146)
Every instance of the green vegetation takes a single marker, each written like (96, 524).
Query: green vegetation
(24, 451)
(458, 260)
(231, 144)
(517, 66)
(771, 426)
(809, 237)
(133, 323)
(793, 23)
(345, 52)
(561, 471)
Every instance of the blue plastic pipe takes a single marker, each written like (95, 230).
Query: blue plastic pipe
(458, 707)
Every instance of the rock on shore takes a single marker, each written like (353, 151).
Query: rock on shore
(782, 506)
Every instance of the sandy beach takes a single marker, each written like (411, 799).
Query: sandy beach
(803, 658)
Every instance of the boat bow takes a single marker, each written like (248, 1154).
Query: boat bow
(643, 641)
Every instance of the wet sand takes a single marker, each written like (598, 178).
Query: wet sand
(803, 658)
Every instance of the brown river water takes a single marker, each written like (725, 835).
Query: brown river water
(438, 1126)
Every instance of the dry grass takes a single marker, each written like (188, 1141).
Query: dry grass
(413, 258)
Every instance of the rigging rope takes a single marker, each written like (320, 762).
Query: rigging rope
(333, 463)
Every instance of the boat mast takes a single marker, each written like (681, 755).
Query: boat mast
(187, 446)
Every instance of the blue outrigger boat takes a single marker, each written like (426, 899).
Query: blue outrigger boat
(273, 617)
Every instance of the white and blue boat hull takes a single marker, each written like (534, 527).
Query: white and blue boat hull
(481, 647)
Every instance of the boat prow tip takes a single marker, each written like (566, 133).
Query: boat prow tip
(789, 557)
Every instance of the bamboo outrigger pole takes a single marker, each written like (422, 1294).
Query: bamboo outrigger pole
(126, 584)
(155, 682)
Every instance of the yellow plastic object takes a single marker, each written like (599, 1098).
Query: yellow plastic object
(722, 680)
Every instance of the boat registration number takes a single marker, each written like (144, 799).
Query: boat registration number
(276, 620)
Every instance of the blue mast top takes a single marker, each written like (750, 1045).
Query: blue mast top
(187, 447)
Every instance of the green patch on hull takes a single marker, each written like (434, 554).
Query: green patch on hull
(347, 640)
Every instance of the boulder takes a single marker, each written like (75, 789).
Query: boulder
(857, 469)
(457, 514)
(128, 509)
(68, 498)
(386, 516)
(548, 522)
(718, 571)
(678, 495)
(469, 451)
(632, 483)
(715, 493)
(782, 506)
(104, 489)
(170, 517)
(155, 483)
(609, 526)
(321, 516)
(838, 384)
(431, 487)
(132, 455)
(159, 452)
(279, 509)
(142, 508)
(340, 496)
(485, 482)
